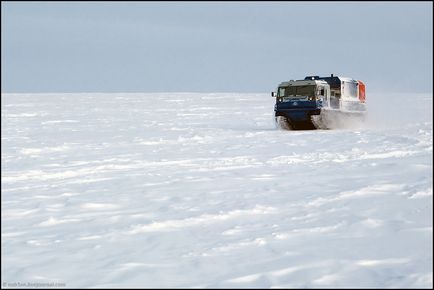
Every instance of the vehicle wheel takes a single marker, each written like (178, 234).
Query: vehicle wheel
(283, 123)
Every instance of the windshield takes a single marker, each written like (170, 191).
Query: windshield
(297, 91)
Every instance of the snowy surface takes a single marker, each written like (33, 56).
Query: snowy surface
(201, 190)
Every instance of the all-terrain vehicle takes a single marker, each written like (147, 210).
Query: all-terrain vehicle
(319, 102)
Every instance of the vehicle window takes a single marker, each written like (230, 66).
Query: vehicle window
(300, 91)
(281, 92)
(351, 89)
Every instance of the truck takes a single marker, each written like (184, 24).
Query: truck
(319, 102)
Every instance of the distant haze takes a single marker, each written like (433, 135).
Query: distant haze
(213, 46)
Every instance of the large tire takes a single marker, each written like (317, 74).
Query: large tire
(282, 123)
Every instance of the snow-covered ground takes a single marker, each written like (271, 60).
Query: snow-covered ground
(200, 190)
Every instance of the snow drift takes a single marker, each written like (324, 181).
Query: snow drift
(200, 190)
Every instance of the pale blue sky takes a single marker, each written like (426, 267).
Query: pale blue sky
(212, 46)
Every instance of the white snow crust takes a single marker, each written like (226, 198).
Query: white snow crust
(183, 190)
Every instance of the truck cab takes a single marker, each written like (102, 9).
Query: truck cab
(298, 100)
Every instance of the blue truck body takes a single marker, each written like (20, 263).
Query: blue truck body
(298, 112)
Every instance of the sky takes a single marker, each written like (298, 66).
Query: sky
(213, 46)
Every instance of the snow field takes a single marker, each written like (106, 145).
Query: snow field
(201, 190)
